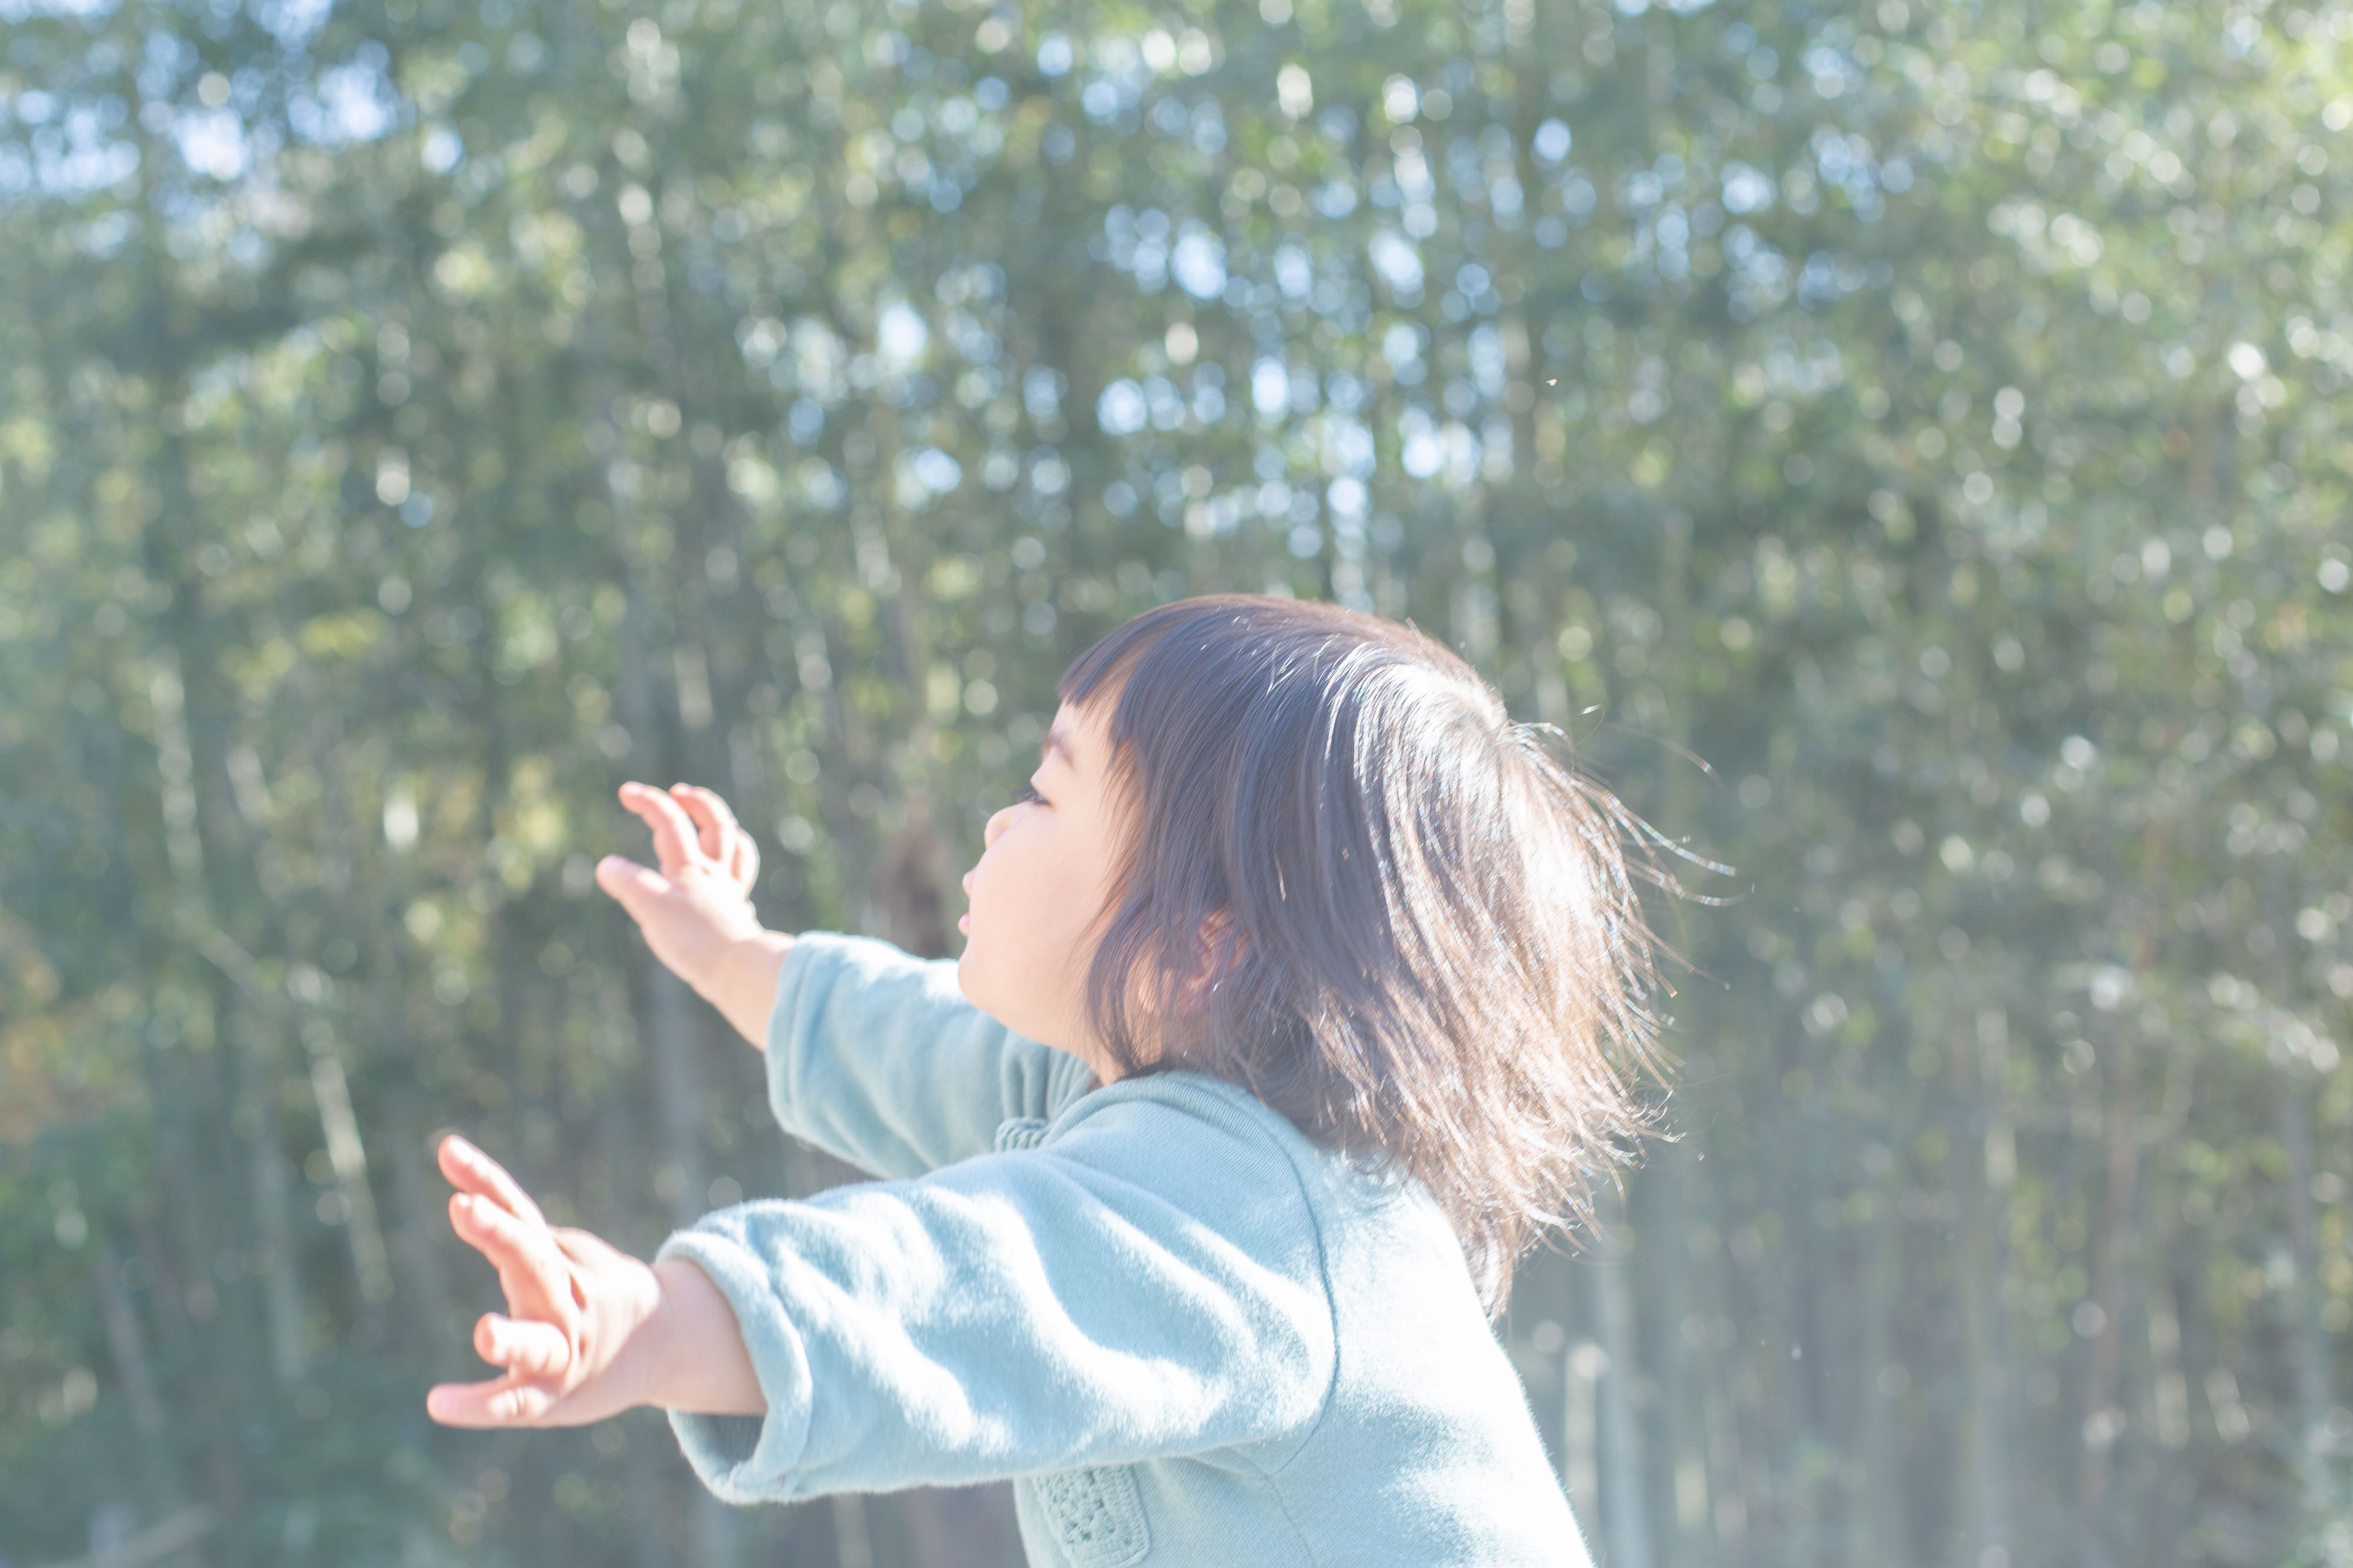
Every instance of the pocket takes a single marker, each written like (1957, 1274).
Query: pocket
(1097, 1516)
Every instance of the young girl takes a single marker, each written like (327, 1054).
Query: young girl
(1300, 995)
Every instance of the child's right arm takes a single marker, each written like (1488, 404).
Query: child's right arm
(1151, 1284)
(1148, 1283)
(873, 1056)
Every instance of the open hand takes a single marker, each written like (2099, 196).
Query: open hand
(697, 908)
(566, 1344)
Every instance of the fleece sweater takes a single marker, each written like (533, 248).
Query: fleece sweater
(1188, 1334)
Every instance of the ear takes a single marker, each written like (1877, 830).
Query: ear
(1217, 952)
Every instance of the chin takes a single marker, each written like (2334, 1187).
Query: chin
(972, 979)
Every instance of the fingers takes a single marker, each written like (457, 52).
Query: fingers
(714, 823)
(523, 1348)
(723, 838)
(630, 884)
(692, 828)
(487, 1226)
(471, 1171)
(677, 841)
(534, 1275)
(502, 1402)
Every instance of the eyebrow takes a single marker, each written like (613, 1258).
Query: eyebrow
(1056, 742)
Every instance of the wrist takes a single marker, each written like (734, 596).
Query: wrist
(742, 981)
(695, 1359)
(658, 1340)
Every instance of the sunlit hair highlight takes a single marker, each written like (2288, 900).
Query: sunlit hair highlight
(1356, 887)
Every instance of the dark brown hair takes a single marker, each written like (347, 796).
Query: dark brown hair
(1353, 886)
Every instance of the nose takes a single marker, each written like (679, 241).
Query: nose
(997, 822)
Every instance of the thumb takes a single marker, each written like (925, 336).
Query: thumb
(629, 884)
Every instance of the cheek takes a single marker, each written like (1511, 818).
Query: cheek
(1009, 900)
(1038, 916)
(1018, 964)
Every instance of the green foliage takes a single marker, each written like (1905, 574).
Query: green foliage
(417, 419)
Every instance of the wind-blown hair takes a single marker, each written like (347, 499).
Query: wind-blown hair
(1353, 886)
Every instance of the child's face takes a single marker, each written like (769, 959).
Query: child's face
(1040, 884)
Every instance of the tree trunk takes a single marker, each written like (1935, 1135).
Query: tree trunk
(273, 1197)
(1625, 1494)
(2310, 1340)
(1580, 1463)
(1983, 1158)
(191, 923)
(2103, 1416)
(419, 1220)
(128, 1345)
(1875, 1513)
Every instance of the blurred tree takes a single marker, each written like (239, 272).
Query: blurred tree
(415, 419)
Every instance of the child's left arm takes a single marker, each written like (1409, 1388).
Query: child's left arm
(696, 911)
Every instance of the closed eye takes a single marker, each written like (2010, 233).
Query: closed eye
(1028, 793)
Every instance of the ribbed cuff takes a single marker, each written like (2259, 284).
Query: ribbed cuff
(748, 1458)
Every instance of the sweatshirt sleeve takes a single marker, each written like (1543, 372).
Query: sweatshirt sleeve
(877, 1058)
(1149, 1284)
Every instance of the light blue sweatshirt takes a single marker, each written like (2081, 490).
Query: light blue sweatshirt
(1191, 1336)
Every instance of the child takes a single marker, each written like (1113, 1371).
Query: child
(1299, 997)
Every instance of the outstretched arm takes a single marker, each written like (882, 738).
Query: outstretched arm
(588, 1331)
(696, 910)
(1149, 1284)
(874, 1056)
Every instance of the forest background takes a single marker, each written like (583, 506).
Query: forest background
(417, 418)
